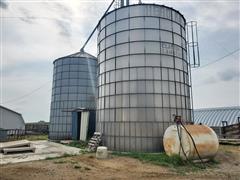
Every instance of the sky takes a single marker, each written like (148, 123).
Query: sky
(35, 32)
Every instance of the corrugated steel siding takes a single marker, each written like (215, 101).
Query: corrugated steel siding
(215, 116)
(10, 119)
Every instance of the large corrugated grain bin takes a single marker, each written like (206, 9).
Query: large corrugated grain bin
(143, 76)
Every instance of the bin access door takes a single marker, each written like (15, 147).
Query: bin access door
(84, 125)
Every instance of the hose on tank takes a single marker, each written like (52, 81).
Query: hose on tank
(194, 144)
(180, 140)
(178, 122)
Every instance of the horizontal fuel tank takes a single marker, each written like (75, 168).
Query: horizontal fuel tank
(205, 139)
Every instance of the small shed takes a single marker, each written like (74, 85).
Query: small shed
(218, 117)
(10, 119)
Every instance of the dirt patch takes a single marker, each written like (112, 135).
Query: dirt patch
(229, 158)
(88, 167)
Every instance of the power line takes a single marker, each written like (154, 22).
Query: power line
(26, 17)
(219, 59)
(40, 87)
(26, 95)
(36, 17)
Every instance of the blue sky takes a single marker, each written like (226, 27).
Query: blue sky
(34, 33)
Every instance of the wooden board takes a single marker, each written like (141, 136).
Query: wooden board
(14, 144)
(231, 131)
(230, 141)
(19, 149)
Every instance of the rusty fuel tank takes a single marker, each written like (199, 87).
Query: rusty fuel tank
(204, 137)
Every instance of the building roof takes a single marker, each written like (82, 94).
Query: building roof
(143, 4)
(20, 115)
(2, 107)
(215, 116)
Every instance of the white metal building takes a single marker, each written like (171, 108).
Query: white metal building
(214, 117)
(10, 119)
(217, 117)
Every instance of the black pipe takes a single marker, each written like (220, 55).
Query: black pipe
(82, 49)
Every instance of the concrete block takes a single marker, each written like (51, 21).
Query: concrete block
(102, 152)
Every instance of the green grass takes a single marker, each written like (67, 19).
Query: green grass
(33, 137)
(63, 156)
(52, 158)
(37, 137)
(174, 162)
(59, 162)
(78, 144)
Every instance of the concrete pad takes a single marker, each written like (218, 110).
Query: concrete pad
(44, 149)
(13, 144)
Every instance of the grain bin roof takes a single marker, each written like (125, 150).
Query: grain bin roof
(215, 116)
(80, 54)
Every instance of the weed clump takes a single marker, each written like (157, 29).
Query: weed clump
(78, 144)
(77, 166)
(174, 162)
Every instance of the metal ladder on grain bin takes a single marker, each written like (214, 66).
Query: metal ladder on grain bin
(95, 141)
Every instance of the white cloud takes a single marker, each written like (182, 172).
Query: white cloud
(35, 32)
(217, 84)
